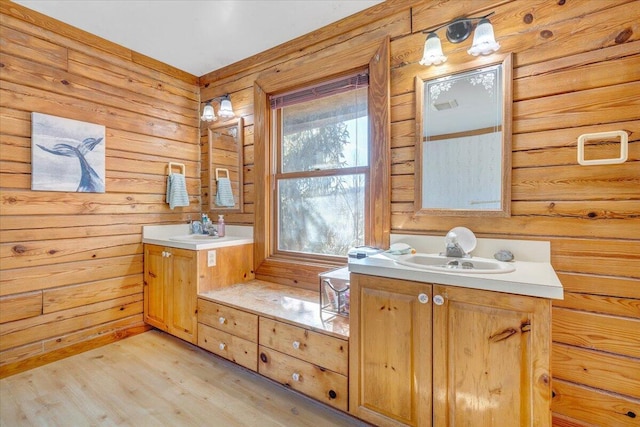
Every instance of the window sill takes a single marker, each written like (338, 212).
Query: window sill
(301, 272)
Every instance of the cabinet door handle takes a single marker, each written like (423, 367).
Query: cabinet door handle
(438, 299)
(295, 376)
(222, 346)
(296, 345)
(222, 320)
(166, 254)
(423, 298)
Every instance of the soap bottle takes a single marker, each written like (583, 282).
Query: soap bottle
(220, 225)
(205, 223)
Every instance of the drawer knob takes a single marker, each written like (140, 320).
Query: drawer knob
(222, 346)
(296, 344)
(423, 298)
(295, 376)
(438, 299)
(263, 357)
(332, 394)
(222, 320)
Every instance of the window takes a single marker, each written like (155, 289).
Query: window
(321, 168)
(292, 268)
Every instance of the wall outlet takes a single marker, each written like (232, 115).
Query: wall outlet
(211, 258)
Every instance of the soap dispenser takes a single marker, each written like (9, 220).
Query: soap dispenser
(220, 225)
(205, 223)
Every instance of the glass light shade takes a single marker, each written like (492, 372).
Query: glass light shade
(208, 114)
(226, 110)
(432, 51)
(484, 42)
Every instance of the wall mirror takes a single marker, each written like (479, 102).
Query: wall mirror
(226, 144)
(463, 144)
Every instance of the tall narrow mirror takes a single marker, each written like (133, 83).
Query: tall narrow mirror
(463, 146)
(226, 144)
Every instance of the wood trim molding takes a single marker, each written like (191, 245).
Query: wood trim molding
(375, 56)
(261, 131)
(380, 156)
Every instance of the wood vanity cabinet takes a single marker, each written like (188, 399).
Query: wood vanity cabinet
(425, 355)
(170, 290)
(390, 354)
(173, 277)
(279, 332)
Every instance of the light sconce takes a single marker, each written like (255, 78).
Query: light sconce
(484, 42)
(225, 112)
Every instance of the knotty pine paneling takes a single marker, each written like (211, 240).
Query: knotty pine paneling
(20, 306)
(576, 71)
(71, 274)
(42, 328)
(593, 368)
(589, 406)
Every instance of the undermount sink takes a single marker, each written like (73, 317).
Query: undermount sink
(194, 238)
(441, 263)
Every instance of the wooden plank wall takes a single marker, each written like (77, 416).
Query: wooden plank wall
(71, 263)
(577, 70)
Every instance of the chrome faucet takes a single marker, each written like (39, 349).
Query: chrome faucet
(453, 248)
(195, 227)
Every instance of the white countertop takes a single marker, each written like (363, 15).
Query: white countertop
(162, 235)
(536, 279)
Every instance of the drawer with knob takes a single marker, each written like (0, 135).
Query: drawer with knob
(320, 349)
(231, 347)
(319, 383)
(228, 319)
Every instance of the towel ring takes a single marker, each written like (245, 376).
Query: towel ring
(218, 170)
(182, 167)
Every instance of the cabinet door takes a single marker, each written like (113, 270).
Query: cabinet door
(183, 297)
(390, 351)
(490, 358)
(155, 286)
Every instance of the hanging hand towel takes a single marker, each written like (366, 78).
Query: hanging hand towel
(177, 190)
(224, 195)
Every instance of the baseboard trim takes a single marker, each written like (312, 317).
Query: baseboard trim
(43, 359)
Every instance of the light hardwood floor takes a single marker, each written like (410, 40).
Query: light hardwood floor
(154, 379)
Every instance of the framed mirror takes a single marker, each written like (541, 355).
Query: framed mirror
(226, 144)
(463, 144)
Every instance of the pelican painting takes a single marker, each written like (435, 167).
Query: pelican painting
(67, 155)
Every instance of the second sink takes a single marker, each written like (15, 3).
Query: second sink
(454, 265)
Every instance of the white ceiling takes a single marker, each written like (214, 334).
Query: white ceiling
(198, 36)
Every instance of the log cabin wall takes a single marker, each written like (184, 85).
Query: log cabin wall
(576, 70)
(71, 273)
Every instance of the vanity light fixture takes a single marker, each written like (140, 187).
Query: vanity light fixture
(225, 112)
(208, 115)
(458, 30)
(226, 109)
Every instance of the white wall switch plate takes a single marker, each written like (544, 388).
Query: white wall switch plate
(211, 258)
